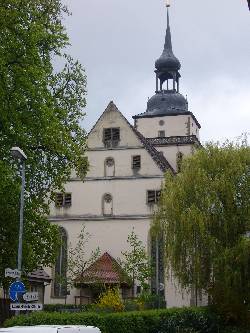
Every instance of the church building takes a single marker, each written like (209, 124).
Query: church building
(120, 192)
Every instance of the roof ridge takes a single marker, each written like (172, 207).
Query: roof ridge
(104, 268)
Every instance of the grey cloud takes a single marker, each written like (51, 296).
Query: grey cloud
(118, 41)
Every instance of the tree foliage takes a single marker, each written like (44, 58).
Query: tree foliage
(135, 262)
(205, 215)
(78, 258)
(40, 111)
(110, 300)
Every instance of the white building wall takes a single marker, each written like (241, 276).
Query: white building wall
(174, 295)
(129, 197)
(180, 125)
(127, 187)
(112, 118)
(123, 162)
(170, 152)
(109, 235)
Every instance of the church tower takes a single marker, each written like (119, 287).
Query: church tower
(167, 123)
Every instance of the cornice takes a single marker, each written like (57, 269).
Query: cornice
(137, 177)
(98, 217)
(174, 140)
(115, 148)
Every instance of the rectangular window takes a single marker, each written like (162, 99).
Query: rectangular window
(153, 196)
(161, 134)
(67, 199)
(63, 200)
(136, 162)
(111, 137)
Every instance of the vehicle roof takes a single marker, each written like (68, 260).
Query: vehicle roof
(51, 329)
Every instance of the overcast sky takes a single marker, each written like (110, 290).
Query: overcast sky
(118, 41)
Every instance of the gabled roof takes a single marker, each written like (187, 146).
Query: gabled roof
(39, 275)
(104, 270)
(158, 158)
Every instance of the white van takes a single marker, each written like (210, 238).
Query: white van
(51, 329)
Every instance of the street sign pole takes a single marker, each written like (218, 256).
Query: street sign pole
(20, 243)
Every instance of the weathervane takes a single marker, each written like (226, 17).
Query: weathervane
(168, 3)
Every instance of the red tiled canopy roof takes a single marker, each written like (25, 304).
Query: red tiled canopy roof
(104, 270)
(39, 275)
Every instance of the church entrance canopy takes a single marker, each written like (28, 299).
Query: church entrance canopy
(105, 270)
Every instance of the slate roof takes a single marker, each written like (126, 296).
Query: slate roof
(104, 270)
(39, 275)
(167, 60)
(159, 159)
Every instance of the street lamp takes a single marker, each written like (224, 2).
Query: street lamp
(17, 153)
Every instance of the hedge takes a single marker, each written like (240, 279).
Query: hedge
(188, 320)
(67, 307)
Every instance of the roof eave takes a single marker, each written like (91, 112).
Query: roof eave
(181, 113)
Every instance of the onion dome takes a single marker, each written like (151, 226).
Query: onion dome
(165, 103)
(167, 60)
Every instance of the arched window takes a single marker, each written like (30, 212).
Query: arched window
(158, 272)
(179, 158)
(60, 285)
(109, 167)
(107, 205)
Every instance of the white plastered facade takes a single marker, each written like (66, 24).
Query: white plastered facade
(127, 188)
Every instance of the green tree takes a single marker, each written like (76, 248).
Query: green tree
(78, 259)
(136, 263)
(204, 215)
(40, 111)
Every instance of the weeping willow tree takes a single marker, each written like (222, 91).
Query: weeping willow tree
(205, 216)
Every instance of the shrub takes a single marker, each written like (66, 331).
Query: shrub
(148, 301)
(190, 319)
(67, 307)
(110, 301)
(186, 320)
(131, 305)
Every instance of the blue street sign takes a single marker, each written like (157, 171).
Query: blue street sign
(16, 290)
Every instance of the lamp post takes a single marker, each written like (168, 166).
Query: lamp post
(18, 154)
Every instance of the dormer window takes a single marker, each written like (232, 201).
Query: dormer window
(111, 137)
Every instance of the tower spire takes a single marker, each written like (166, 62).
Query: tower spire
(168, 41)
(167, 66)
(167, 100)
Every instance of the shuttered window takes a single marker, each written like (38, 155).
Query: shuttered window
(161, 134)
(153, 196)
(111, 137)
(136, 162)
(63, 200)
(59, 200)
